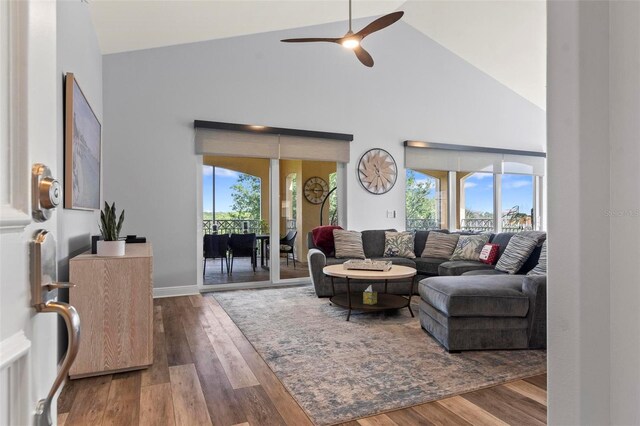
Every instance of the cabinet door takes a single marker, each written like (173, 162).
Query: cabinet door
(113, 298)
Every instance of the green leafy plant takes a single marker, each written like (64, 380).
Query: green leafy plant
(109, 227)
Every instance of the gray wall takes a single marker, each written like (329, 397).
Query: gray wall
(417, 90)
(625, 211)
(79, 53)
(594, 213)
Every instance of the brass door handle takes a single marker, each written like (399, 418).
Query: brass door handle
(44, 276)
(72, 320)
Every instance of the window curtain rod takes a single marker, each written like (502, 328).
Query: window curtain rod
(444, 146)
(257, 129)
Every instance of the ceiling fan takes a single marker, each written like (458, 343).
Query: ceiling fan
(353, 40)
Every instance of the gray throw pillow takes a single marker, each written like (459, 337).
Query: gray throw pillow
(348, 244)
(469, 247)
(516, 254)
(399, 244)
(541, 267)
(440, 245)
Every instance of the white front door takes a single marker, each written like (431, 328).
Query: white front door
(28, 79)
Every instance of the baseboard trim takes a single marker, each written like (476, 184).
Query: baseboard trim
(185, 290)
(254, 285)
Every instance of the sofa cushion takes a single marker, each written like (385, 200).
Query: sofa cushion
(348, 244)
(516, 254)
(539, 236)
(469, 296)
(420, 240)
(459, 267)
(428, 265)
(541, 267)
(501, 239)
(398, 244)
(373, 242)
(489, 253)
(335, 261)
(484, 272)
(440, 245)
(532, 261)
(402, 261)
(469, 247)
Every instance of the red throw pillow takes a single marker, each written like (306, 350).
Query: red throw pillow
(323, 238)
(489, 253)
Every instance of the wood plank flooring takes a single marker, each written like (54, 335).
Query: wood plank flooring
(207, 373)
(243, 271)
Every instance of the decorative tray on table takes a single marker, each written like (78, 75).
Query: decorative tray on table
(368, 265)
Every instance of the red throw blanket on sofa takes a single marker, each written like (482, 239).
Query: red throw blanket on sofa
(323, 238)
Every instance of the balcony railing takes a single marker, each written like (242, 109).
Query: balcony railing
(471, 224)
(234, 226)
(480, 224)
(476, 224)
(240, 226)
(421, 224)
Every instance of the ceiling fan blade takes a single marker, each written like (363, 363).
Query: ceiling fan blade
(380, 23)
(363, 56)
(310, 40)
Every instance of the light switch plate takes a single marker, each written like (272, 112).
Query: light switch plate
(391, 214)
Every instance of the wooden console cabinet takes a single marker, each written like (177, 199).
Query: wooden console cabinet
(114, 297)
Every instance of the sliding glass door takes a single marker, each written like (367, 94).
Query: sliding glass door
(235, 220)
(308, 198)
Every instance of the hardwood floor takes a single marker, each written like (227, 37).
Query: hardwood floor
(243, 271)
(207, 373)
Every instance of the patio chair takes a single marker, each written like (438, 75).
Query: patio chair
(214, 247)
(243, 245)
(287, 244)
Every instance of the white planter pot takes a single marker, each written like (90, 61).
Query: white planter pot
(110, 248)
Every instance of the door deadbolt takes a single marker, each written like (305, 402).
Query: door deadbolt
(46, 192)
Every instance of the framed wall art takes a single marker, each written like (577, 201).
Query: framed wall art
(82, 150)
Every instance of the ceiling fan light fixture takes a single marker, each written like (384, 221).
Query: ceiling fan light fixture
(350, 43)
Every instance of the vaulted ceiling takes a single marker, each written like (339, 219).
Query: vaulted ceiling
(505, 39)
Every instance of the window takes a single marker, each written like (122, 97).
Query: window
(476, 201)
(517, 202)
(425, 199)
(473, 188)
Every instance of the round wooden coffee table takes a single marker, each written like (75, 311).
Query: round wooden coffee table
(353, 300)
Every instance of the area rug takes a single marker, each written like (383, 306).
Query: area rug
(376, 362)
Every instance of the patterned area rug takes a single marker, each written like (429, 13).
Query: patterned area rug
(376, 362)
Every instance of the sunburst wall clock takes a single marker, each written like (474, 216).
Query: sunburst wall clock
(377, 171)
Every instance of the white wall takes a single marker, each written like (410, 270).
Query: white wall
(625, 211)
(594, 212)
(416, 90)
(79, 53)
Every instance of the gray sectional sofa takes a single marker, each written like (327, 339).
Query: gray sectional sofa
(373, 244)
(465, 305)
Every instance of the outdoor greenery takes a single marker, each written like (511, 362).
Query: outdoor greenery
(475, 214)
(246, 198)
(420, 201)
(294, 196)
(333, 200)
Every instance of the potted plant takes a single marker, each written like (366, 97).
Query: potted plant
(110, 230)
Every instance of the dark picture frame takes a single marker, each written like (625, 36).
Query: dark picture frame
(82, 150)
